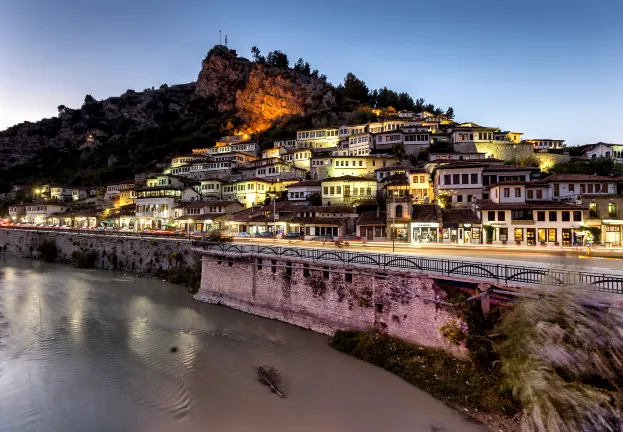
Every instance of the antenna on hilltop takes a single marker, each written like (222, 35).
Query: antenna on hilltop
(219, 38)
(225, 40)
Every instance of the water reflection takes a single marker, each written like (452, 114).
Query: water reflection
(91, 350)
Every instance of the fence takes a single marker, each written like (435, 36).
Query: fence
(498, 273)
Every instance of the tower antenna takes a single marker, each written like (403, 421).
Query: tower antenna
(225, 40)
(220, 41)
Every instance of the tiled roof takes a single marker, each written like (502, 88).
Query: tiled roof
(417, 170)
(509, 168)
(305, 183)
(459, 216)
(397, 176)
(348, 178)
(372, 218)
(426, 213)
(202, 204)
(576, 177)
(316, 220)
(327, 209)
(207, 216)
(530, 205)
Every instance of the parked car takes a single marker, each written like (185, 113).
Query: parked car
(266, 234)
(323, 238)
(243, 234)
(126, 229)
(293, 236)
(351, 238)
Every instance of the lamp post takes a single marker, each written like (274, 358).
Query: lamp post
(274, 222)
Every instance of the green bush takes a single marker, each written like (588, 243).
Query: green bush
(84, 259)
(188, 276)
(48, 251)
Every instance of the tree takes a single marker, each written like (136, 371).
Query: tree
(89, 99)
(562, 358)
(278, 59)
(356, 89)
(298, 66)
(444, 200)
(450, 113)
(398, 149)
(255, 53)
(323, 78)
(164, 87)
(61, 109)
(404, 102)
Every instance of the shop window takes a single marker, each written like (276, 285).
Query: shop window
(542, 235)
(518, 234)
(551, 234)
(592, 210)
(503, 234)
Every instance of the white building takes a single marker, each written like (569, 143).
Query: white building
(38, 213)
(461, 180)
(317, 138)
(546, 144)
(114, 190)
(348, 190)
(575, 186)
(517, 220)
(300, 192)
(201, 215)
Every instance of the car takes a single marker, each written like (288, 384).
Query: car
(243, 234)
(266, 234)
(65, 227)
(351, 238)
(293, 236)
(125, 229)
(323, 238)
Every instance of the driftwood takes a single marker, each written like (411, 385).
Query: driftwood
(269, 376)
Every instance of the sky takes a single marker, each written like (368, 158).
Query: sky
(548, 68)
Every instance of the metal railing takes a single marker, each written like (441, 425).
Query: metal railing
(497, 273)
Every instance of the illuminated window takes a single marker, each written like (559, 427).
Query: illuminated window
(518, 234)
(551, 234)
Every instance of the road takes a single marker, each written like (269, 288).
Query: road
(568, 258)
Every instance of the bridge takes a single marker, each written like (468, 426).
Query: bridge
(462, 270)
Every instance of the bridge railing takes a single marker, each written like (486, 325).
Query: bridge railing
(498, 273)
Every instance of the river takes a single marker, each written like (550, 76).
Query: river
(90, 350)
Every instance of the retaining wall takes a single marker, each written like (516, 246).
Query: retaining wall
(325, 299)
(140, 255)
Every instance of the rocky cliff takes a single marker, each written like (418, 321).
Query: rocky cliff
(140, 129)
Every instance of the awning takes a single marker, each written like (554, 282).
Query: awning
(107, 222)
(170, 225)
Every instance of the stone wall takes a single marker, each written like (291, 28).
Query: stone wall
(140, 255)
(505, 152)
(326, 299)
(547, 160)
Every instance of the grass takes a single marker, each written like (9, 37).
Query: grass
(456, 381)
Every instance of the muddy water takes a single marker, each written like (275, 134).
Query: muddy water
(90, 350)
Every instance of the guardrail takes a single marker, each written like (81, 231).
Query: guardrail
(498, 273)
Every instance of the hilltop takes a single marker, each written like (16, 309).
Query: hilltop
(113, 139)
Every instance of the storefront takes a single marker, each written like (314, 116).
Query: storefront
(400, 232)
(424, 232)
(461, 226)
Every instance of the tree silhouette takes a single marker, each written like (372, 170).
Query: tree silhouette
(356, 89)
(278, 59)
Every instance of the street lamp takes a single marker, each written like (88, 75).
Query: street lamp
(394, 224)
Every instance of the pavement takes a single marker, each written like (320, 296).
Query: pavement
(562, 258)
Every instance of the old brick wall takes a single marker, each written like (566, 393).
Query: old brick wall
(141, 255)
(327, 299)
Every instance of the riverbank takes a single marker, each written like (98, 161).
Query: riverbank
(455, 381)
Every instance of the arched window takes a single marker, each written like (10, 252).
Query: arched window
(399, 211)
(608, 154)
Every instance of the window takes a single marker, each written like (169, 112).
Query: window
(507, 192)
(456, 178)
(539, 194)
(503, 234)
(501, 215)
(518, 234)
(338, 190)
(530, 194)
(566, 216)
(332, 190)
(571, 187)
(577, 216)
(551, 234)
(553, 216)
(590, 188)
(490, 216)
(541, 233)
(459, 198)
(465, 179)
(474, 178)
(399, 211)
(556, 189)
(517, 192)
(612, 209)
(447, 179)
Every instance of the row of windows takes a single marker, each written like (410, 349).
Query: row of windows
(317, 134)
(159, 193)
(342, 163)
(147, 208)
(528, 215)
(389, 138)
(416, 138)
(359, 140)
(456, 179)
(584, 188)
(210, 186)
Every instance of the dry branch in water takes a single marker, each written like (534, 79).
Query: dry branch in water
(270, 377)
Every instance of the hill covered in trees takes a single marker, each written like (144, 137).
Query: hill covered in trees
(113, 139)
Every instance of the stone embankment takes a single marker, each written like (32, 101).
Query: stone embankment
(135, 254)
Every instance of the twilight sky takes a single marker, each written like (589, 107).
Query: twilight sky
(548, 68)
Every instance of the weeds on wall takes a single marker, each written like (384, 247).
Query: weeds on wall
(47, 251)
